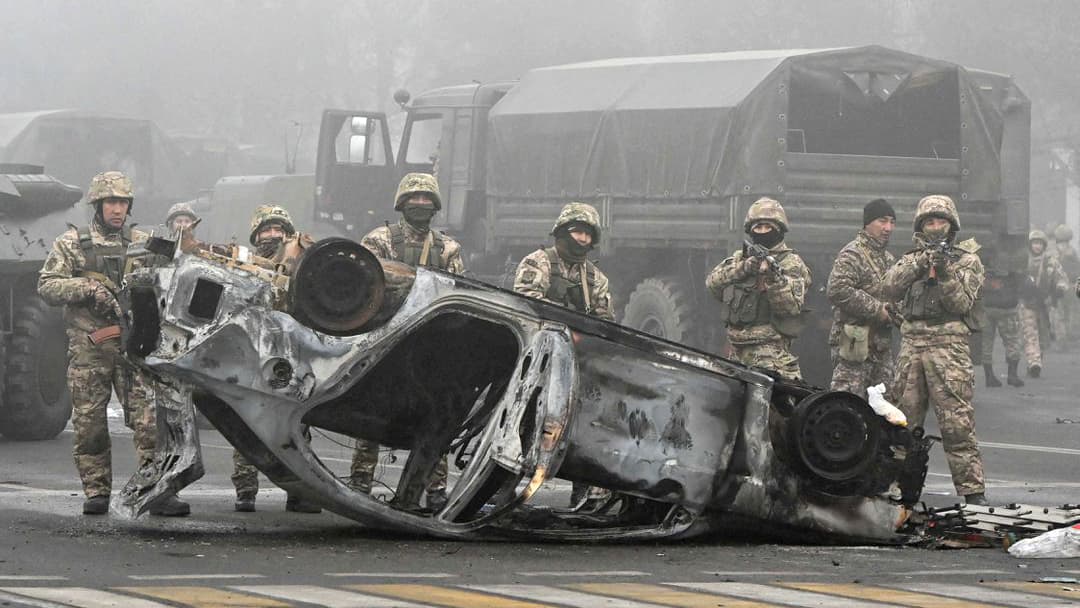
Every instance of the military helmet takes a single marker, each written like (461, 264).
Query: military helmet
(1063, 233)
(766, 209)
(581, 213)
(936, 205)
(414, 183)
(180, 209)
(267, 214)
(110, 184)
(1037, 235)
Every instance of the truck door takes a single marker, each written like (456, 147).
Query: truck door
(354, 170)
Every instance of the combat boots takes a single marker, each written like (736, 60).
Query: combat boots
(245, 503)
(96, 505)
(1014, 378)
(171, 507)
(992, 380)
(1034, 370)
(977, 498)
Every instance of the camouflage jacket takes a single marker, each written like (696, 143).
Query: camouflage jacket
(854, 289)
(959, 288)
(60, 283)
(786, 294)
(378, 241)
(1049, 277)
(533, 279)
(1070, 263)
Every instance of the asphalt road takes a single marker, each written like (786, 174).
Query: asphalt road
(51, 555)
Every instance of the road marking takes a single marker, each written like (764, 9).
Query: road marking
(392, 574)
(325, 596)
(82, 597)
(1028, 448)
(205, 597)
(22, 600)
(560, 596)
(766, 573)
(586, 573)
(982, 593)
(188, 577)
(30, 577)
(777, 595)
(945, 572)
(885, 595)
(666, 596)
(445, 596)
(1058, 589)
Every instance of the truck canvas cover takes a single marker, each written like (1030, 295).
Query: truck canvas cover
(720, 124)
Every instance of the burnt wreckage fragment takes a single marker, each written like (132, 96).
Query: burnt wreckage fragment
(514, 390)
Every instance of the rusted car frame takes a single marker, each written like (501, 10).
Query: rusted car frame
(515, 390)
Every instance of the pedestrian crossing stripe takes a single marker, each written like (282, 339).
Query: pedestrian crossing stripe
(577, 595)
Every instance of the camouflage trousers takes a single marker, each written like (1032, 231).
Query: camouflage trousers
(245, 476)
(937, 370)
(1063, 319)
(1035, 335)
(773, 355)
(93, 373)
(366, 457)
(1006, 323)
(855, 377)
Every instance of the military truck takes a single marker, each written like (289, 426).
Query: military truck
(34, 209)
(673, 150)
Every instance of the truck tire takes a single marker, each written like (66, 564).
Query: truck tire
(36, 403)
(661, 306)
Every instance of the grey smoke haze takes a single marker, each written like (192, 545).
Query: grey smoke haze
(247, 69)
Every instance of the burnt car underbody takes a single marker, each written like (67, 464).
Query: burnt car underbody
(514, 390)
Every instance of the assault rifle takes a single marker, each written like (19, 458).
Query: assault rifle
(939, 250)
(760, 253)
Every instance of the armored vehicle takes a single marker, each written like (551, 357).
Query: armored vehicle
(34, 209)
(673, 150)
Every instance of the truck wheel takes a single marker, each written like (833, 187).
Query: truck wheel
(661, 306)
(36, 403)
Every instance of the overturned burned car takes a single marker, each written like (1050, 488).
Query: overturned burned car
(514, 390)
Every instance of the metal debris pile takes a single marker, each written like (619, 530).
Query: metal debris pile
(966, 526)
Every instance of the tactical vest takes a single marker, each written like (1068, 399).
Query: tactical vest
(107, 260)
(746, 304)
(1000, 291)
(564, 291)
(410, 252)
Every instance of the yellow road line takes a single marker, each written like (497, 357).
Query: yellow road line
(1057, 589)
(666, 596)
(882, 594)
(205, 597)
(445, 596)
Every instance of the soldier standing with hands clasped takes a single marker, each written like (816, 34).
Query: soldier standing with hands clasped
(861, 335)
(938, 283)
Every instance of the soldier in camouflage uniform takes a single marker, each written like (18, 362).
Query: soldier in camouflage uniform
(271, 226)
(861, 337)
(761, 300)
(412, 241)
(1000, 298)
(180, 216)
(1065, 313)
(82, 273)
(1049, 285)
(563, 275)
(938, 290)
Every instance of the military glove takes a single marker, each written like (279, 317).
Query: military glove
(941, 266)
(750, 266)
(103, 303)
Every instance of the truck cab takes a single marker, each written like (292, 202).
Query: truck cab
(357, 171)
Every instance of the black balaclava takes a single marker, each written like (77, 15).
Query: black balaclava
(769, 239)
(941, 235)
(267, 247)
(418, 216)
(568, 248)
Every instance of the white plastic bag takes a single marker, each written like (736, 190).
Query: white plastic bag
(1063, 542)
(883, 408)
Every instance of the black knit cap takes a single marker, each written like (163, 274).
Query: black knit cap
(876, 208)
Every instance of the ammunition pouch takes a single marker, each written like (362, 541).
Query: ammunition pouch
(923, 302)
(410, 252)
(744, 304)
(854, 343)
